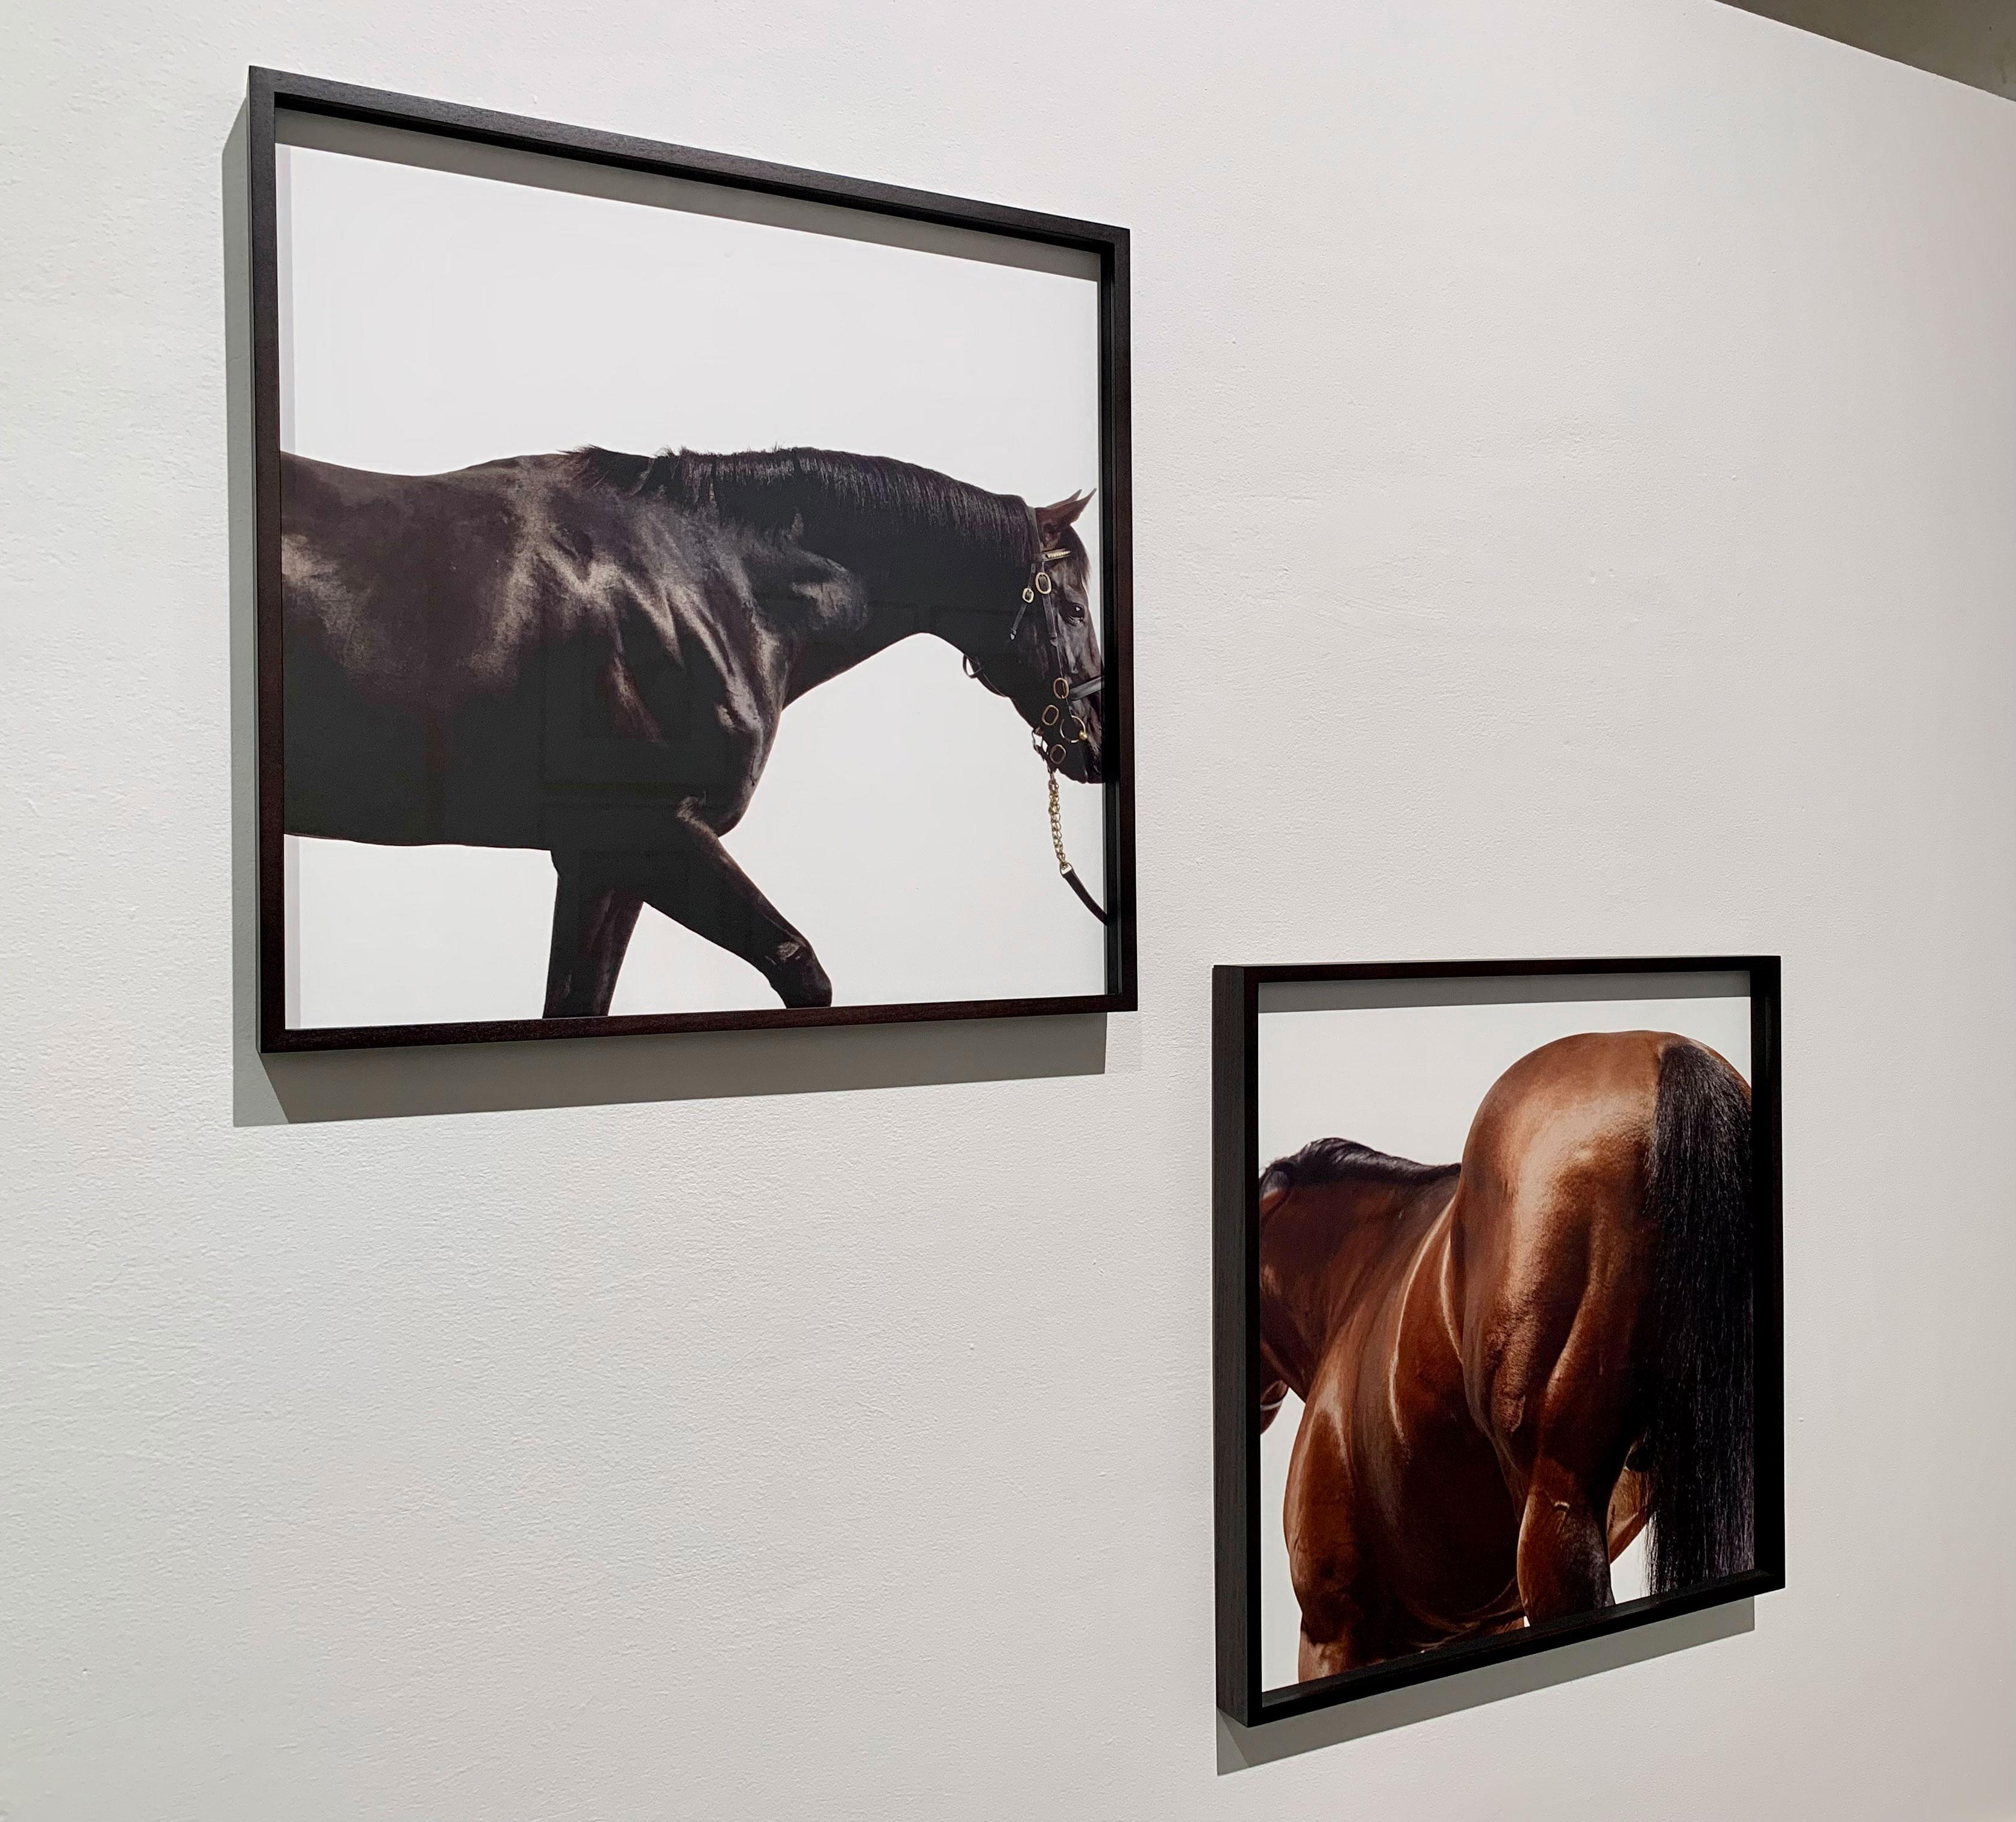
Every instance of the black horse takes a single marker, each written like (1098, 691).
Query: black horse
(588, 652)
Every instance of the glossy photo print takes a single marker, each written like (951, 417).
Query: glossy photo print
(691, 592)
(1502, 1246)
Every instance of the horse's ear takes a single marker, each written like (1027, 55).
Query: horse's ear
(1052, 521)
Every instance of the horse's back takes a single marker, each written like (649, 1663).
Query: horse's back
(423, 588)
(469, 653)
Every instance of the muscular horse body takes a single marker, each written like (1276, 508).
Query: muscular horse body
(589, 652)
(1511, 1365)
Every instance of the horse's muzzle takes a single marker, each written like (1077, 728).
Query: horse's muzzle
(1083, 760)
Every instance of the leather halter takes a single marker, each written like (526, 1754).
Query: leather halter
(1048, 736)
(1050, 746)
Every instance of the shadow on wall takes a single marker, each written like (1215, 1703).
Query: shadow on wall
(1240, 1748)
(468, 1078)
(1972, 41)
(360, 1085)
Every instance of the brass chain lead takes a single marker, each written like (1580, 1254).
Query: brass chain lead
(1064, 867)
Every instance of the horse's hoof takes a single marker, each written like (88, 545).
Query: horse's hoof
(799, 980)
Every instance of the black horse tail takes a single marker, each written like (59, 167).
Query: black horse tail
(1701, 1453)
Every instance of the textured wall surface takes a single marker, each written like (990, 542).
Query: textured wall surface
(1576, 452)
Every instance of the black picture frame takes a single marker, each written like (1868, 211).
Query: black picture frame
(271, 92)
(1235, 992)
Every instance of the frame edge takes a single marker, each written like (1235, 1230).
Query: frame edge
(1241, 1695)
(262, 203)
(269, 91)
(1233, 1452)
(285, 88)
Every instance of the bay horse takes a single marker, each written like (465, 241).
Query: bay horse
(589, 652)
(1510, 1365)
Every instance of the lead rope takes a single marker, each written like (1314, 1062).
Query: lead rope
(1063, 864)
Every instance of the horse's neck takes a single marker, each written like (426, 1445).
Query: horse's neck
(824, 653)
(1323, 1251)
(895, 612)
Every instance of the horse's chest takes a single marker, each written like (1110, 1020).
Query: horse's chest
(1391, 1485)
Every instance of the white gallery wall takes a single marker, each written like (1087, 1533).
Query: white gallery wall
(1575, 479)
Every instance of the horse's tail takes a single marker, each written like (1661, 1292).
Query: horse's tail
(1701, 1454)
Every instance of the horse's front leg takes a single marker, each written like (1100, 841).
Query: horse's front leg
(1350, 1616)
(694, 880)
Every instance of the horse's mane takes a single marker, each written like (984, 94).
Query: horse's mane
(824, 489)
(1332, 1161)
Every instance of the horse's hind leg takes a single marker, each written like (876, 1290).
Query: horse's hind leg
(1571, 1454)
(1555, 1379)
(1564, 1558)
(1558, 1271)
(694, 881)
(593, 917)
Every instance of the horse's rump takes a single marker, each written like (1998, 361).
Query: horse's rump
(1603, 1241)
(1506, 1383)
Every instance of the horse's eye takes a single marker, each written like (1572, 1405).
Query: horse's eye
(1073, 610)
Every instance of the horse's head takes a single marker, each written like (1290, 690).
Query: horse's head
(1050, 665)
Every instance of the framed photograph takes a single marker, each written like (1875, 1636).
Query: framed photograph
(1498, 1312)
(693, 592)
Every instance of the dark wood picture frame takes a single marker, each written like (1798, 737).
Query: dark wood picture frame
(1237, 1373)
(272, 92)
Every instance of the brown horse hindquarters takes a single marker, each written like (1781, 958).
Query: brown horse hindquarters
(1508, 1372)
(1557, 1263)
